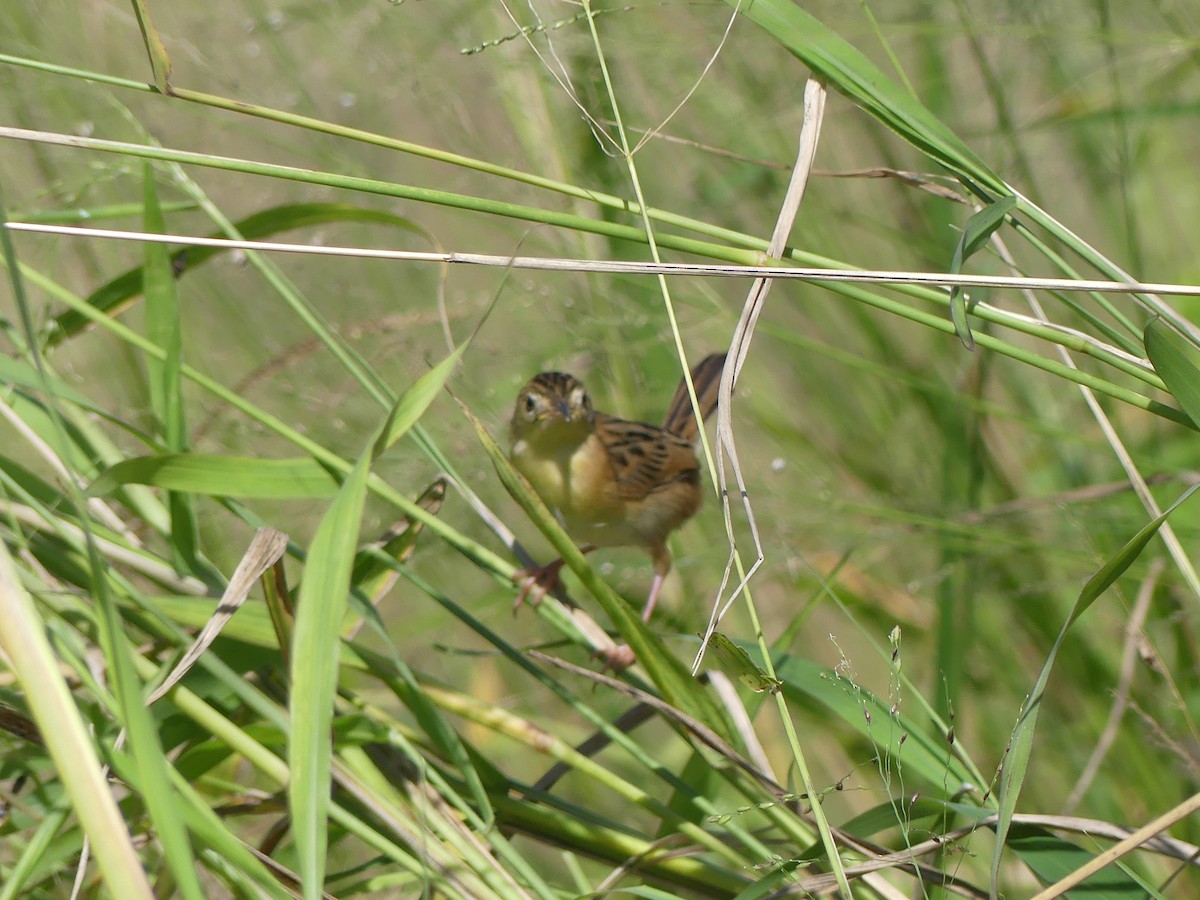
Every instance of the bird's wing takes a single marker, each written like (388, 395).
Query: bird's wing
(645, 458)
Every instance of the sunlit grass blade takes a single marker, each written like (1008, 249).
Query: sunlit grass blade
(416, 400)
(23, 638)
(222, 476)
(314, 672)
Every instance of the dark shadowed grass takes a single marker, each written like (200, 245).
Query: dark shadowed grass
(930, 516)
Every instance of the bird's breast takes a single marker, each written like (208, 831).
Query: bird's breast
(577, 484)
(547, 471)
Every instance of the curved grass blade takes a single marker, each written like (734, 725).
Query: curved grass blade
(266, 549)
(222, 476)
(848, 71)
(410, 407)
(975, 234)
(1177, 361)
(1016, 759)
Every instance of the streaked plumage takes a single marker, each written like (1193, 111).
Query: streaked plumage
(613, 482)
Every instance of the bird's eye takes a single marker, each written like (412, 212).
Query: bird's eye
(530, 403)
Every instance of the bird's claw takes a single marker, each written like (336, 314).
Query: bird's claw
(536, 582)
(616, 658)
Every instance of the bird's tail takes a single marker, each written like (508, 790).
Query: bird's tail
(706, 378)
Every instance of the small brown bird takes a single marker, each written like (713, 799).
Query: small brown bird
(612, 482)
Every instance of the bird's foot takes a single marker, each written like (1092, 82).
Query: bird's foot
(616, 658)
(536, 582)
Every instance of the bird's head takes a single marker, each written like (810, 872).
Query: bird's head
(553, 406)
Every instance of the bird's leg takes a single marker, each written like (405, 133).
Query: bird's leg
(538, 581)
(662, 565)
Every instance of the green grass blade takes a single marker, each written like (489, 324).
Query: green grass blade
(416, 400)
(618, 231)
(979, 228)
(23, 637)
(162, 325)
(1016, 761)
(1177, 361)
(160, 62)
(975, 234)
(165, 375)
(1051, 858)
(317, 638)
(846, 69)
(315, 650)
(222, 476)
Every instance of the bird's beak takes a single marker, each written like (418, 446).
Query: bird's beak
(565, 409)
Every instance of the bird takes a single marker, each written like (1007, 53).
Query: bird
(611, 482)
